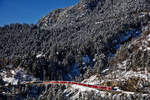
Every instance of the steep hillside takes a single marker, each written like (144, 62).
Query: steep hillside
(86, 30)
(105, 37)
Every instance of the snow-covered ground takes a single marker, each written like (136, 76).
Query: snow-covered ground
(119, 74)
(93, 80)
(125, 75)
(18, 75)
(76, 92)
(145, 44)
(40, 55)
(15, 76)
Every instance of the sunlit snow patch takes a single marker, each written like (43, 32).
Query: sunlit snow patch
(15, 76)
(93, 80)
(40, 55)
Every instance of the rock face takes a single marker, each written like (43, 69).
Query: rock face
(76, 42)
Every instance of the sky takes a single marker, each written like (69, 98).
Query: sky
(29, 11)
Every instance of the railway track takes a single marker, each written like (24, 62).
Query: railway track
(107, 88)
(67, 83)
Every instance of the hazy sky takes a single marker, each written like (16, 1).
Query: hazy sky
(28, 11)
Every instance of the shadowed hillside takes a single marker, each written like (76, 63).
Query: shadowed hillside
(77, 42)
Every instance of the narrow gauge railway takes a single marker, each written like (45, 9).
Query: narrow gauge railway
(67, 83)
(107, 88)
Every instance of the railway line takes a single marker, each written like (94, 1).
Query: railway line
(66, 83)
(107, 88)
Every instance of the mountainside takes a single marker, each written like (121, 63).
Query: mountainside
(93, 37)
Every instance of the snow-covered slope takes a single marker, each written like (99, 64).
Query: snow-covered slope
(74, 92)
(129, 83)
(15, 76)
(98, 42)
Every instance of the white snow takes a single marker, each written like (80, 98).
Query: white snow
(76, 90)
(93, 80)
(122, 65)
(57, 53)
(140, 74)
(121, 74)
(148, 37)
(79, 89)
(16, 75)
(142, 43)
(142, 14)
(12, 71)
(94, 59)
(97, 23)
(40, 55)
(104, 71)
(145, 44)
(82, 88)
(117, 89)
(11, 80)
(148, 48)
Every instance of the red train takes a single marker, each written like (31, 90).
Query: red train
(108, 88)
